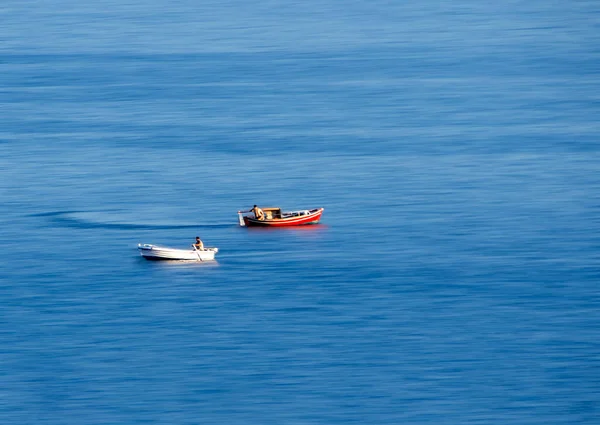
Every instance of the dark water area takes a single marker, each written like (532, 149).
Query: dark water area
(453, 278)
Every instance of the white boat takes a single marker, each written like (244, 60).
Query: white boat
(157, 252)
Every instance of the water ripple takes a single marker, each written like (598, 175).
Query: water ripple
(104, 220)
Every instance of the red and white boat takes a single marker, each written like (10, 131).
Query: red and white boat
(274, 217)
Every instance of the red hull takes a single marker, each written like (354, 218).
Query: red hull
(312, 217)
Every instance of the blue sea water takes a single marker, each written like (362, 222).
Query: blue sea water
(454, 278)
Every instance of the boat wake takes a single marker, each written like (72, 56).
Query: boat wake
(108, 220)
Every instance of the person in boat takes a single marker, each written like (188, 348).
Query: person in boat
(198, 244)
(258, 213)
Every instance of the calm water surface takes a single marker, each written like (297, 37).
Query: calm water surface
(453, 279)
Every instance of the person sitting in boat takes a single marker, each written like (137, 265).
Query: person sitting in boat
(258, 213)
(198, 244)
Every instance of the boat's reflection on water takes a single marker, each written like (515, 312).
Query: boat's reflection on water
(183, 263)
(306, 228)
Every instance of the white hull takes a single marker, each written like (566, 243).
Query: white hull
(156, 252)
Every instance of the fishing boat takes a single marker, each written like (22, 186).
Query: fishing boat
(274, 217)
(157, 252)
